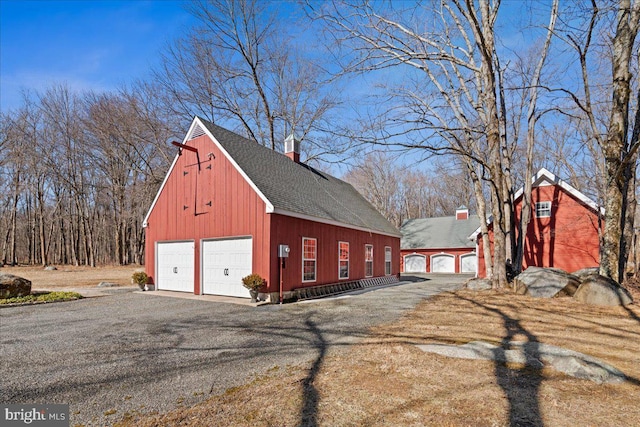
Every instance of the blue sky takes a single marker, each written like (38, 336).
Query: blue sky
(87, 44)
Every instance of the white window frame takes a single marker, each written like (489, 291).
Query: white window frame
(367, 262)
(543, 209)
(314, 259)
(340, 260)
(387, 260)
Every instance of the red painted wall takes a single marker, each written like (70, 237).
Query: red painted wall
(457, 252)
(290, 231)
(567, 240)
(182, 213)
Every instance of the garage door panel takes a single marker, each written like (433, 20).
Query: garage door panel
(224, 264)
(468, 263)
(443, 264)
(415, 264)
(175, 266)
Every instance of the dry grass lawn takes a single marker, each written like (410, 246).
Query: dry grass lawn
(387, 381)
(72, 277)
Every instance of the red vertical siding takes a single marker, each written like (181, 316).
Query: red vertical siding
(567, 240)
(290, 231)
(236, 209)
(182, 213)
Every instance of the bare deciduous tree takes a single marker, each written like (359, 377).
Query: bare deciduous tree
(605, 37)
(451, 99)
(241, 66)
(82, 170)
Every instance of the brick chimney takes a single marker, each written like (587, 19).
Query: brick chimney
(292, 148)
(462, 213)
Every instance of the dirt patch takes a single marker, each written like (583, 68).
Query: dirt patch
(386, 380)
(72, 277)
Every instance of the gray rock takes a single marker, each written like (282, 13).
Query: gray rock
(13, 286)
(534, 354)
(478, 284)
(50, 268)
(600, 290)
(545, 283)
(107, 285)
(585, 273)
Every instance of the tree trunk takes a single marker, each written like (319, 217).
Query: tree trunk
(615, 147)
(481, 207)
(630, 202)
(525, 210)
(41, 230)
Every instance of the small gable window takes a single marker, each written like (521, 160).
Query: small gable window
(368, 260)
(309, 259)
(343, 260)
(543, 209)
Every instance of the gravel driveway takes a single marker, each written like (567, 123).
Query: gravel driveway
(111, 355)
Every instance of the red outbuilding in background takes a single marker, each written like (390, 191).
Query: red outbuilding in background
(564, 228)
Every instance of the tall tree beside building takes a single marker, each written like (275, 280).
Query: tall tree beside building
(452, 98)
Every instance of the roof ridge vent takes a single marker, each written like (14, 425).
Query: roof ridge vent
(196, 132)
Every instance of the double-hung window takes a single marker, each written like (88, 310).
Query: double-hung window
(309, 259)
(368, 260)
(343, 260)
(387, 260)
(543, 209)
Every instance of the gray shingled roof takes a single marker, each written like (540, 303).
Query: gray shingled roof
(299, 188)
(443, 232)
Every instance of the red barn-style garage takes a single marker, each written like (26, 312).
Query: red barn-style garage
(229, 207)
(564, 227)
(439, 245)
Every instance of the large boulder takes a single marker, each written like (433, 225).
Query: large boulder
(545, 283)
(478, 284)
(600, 290)
(585, 273)
(13, 286)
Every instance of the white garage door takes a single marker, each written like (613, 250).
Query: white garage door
(468, 263)
(415, 264)
(443, 263)
(175, 266)
(224, 264)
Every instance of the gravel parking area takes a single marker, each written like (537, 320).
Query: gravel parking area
(112, 355)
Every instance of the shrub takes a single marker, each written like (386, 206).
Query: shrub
(253, 282)
(140, 278)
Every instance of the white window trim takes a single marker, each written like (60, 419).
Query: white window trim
(365, 260)
(315, 260)
(340, 260)
(387, 249)
(546, 203)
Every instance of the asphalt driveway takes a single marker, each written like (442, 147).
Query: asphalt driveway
(111, 355)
